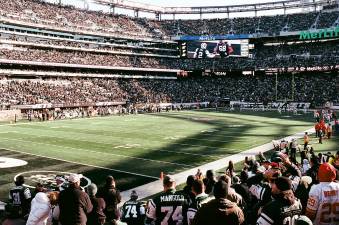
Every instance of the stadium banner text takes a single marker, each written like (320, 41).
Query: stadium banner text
(214, 37)
(319, 34)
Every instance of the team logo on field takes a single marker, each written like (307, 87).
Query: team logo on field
(11, 162)
(48, 179)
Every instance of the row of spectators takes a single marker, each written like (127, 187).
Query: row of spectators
(86, 45)
(232, 63)
(86, 58)
(275, 191)
(69, 17)
(316, 88)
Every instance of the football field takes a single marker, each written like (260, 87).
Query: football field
(136, 148)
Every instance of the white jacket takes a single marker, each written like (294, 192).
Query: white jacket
(40, 210)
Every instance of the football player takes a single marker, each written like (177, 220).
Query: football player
(168, 207)
(133, 211)
(323, 201)
(202, 52)
(223, 49)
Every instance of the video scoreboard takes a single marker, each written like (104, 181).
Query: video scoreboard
(203, 47)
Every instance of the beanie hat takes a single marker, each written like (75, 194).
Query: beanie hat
(303, 220)
(220, 189)
(326, 173)
(283, 183)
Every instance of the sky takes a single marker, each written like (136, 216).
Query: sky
(178, 3)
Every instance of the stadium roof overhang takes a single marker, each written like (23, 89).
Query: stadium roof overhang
(289, 4)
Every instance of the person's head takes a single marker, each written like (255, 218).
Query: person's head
(189, 181)
(203, 45)
(235, 180)
(19, 180)
(243, 176)
(280, 185)
(306, 133)
(92, 189)
(210, 174)
(314, 161)
(168, 182)
(53, 197)
(337, 155)
(198, 187)
(59, 180)
(39, 187)
(230, 164)
(220, 189)
(326, 173)
(134, 196)
(110, 181)
(74, 179)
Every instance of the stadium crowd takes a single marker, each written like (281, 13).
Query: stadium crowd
(88, 45)
(292, 185)
(36, 11)
(314, 88)
(273, 60)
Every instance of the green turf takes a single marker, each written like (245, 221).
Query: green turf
(140, 144)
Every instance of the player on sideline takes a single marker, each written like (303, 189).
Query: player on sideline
(323, 201)
(133, 212)
(169, 207)
(202, 52)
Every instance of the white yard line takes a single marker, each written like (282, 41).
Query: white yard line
(83, 164)
(155, 187)
(96, 152)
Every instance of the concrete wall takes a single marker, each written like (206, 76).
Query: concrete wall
(9, 115)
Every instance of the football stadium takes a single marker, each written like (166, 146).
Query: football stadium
(151, 112)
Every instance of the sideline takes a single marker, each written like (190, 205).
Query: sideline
(155, 187)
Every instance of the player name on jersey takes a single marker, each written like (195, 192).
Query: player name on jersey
(331, 193)
(172, 198)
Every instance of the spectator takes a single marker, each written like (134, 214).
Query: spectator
(97, 216)
(220, 210)
(167, 206)
(284, 206)
(20, 197)
(188, 188)
(74, 203)
(133, 211)
(209, 181)
(198, 189)
(323, 196)
(41, 208)
(112, 198)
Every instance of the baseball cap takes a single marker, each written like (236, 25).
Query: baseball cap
(74, 178)
(303, 220)
(168, 179)
(283, 183)
(326, 173)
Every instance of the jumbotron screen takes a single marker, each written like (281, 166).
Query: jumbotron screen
(214, 49)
